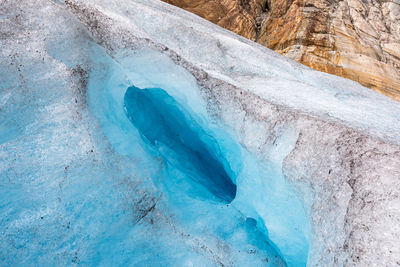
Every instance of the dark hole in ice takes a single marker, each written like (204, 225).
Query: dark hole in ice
(163, 122)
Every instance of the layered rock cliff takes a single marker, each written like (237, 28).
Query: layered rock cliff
(358, 40)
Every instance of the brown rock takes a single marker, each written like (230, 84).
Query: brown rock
(239, 16)
(355, 39)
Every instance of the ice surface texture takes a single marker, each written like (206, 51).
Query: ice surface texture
(308, 163)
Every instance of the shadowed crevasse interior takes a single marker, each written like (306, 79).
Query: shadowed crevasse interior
(207, 166)
(183, 144)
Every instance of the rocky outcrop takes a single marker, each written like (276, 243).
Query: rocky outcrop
(243, 17)
(358, 40)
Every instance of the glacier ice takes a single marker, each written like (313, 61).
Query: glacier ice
(186, 148)
(91, 174)
(242, 217)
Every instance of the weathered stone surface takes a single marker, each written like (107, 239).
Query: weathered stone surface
(240, 16)
(358, 40)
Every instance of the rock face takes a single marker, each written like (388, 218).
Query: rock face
(358, 40)
(243, 17)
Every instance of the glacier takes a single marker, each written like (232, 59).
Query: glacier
(135, 133)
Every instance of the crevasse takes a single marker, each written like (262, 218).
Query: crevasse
(187, 149)
(214, 188)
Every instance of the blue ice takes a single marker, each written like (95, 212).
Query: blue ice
(175, 188)
(182, 142)
(197, 178)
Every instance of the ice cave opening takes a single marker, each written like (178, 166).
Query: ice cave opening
(180, 140)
